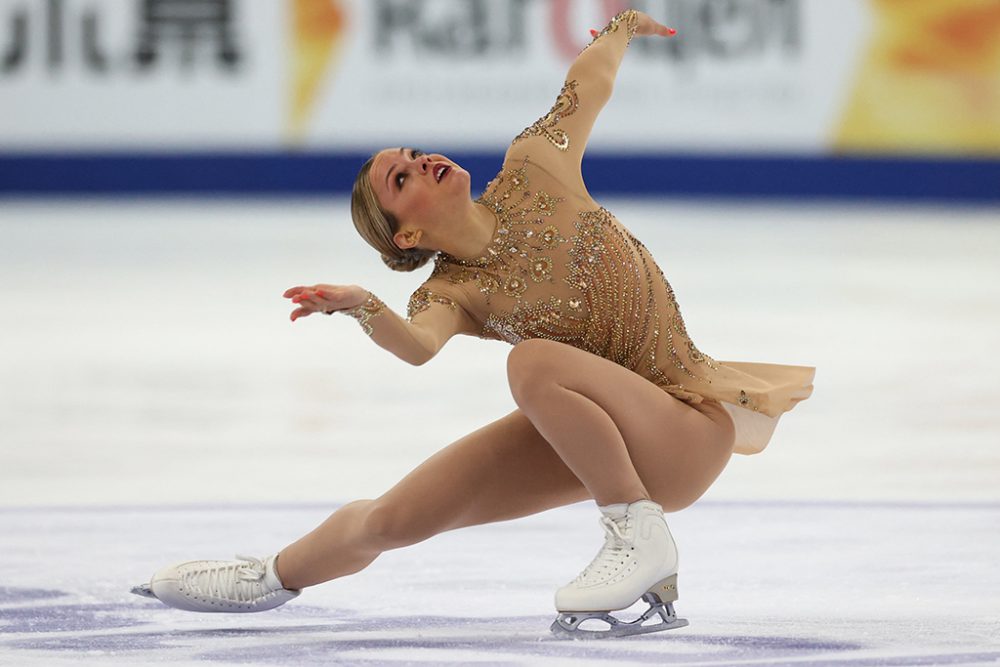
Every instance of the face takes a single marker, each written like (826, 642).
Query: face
(420, 190)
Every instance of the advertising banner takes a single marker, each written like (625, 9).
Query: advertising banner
(858, 98)
(801, 76)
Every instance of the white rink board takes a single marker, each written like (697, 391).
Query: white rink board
(770, 75)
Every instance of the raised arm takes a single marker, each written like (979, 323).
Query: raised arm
(559, 138)
(432, 317)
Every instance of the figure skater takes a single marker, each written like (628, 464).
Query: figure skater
(615, 402)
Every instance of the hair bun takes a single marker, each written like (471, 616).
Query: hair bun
(410, 260)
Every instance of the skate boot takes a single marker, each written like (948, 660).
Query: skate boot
(638, 560)
(243, 585)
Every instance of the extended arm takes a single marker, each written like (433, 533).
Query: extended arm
(560, 137)
(432, 318)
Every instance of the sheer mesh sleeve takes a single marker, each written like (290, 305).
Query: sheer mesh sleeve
(370, 309)
(560, 136)
(422, 299)
(437, 309)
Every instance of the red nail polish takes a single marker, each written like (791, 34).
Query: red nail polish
(593, 33)
(671, 32)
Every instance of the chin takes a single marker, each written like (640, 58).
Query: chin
(462, 178)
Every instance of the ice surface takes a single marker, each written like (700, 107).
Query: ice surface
(157, 405)
(762, 582)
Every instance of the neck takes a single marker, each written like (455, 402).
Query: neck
(475, 234)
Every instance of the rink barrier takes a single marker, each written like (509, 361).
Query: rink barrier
(971, 180)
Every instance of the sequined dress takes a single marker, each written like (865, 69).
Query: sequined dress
(563, 268)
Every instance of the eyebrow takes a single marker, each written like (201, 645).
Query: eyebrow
(389, 173)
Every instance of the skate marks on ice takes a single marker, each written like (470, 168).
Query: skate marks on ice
(106, 634)
(759, 590)
(110, 634)
(307, 635)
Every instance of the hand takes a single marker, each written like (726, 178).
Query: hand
(324, 298)
(648, 26)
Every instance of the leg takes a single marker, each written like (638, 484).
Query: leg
(504, 470)
(622, 436)
(532, 460)
(628, 441)
(507, 469)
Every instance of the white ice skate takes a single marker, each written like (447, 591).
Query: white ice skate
(243, 585)
(638, 560)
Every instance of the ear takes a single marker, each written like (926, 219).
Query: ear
(407, 238)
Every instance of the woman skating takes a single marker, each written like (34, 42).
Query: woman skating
(615, 402)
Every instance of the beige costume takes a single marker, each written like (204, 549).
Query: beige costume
(562, 267)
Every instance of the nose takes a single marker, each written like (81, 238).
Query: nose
(425, 162)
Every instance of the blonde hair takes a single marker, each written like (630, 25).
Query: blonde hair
(377, 227)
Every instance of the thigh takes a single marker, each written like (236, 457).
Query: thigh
(677, 449)
(504, 470)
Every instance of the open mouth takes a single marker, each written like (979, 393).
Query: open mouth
(440, 171)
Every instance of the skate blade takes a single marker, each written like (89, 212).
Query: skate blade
(144, 590)
(620, 629)
(567, 624)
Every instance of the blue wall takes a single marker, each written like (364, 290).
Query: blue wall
(313, 173)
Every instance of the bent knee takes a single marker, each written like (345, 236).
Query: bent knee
(529, 364)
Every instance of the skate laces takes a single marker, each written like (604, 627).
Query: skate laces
(226, 581)
(253, 569)
(611, 555)
(612, 531)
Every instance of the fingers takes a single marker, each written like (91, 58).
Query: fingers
(661, 30)
(305, 297)
(301, 292)
(310, 300)
(301, 312)
(307, 306)
(317, 299)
